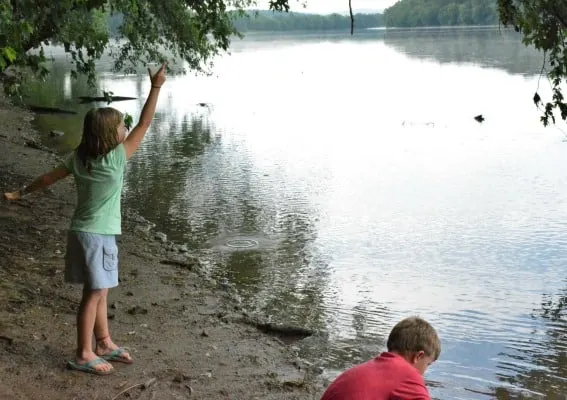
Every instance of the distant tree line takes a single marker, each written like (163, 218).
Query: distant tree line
(405, 13)
(278, 21)
(282, 21)
(414, 13)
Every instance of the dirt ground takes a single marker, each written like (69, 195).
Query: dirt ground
(183, 329)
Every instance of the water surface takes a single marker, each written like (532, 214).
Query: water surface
(370, 192)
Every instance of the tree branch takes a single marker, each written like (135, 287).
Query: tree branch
(351, 17)
(557, 14)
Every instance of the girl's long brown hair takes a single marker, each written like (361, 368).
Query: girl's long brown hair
(100, 134)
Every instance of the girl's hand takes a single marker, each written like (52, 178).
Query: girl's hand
(159, 77)
(11, 196)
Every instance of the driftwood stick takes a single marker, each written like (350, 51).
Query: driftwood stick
(144, 385)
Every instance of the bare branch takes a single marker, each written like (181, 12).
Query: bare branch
(351, 17)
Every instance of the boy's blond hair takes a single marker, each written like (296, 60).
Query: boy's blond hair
(413, 335)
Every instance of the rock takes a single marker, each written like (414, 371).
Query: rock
(137, 310)
(129, 293)
(161, 237)
(183, 248)
(32, 143)
(143, 229)
(287, 333)
(55, 133)
(7, 339)
(204, 334)
(185, 262)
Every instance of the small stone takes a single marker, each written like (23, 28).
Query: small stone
(161, 237)
(137, 310)
(129, 294)
(204, 334)
(56, 133)
(189, 388)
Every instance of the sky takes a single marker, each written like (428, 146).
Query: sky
(334, 6)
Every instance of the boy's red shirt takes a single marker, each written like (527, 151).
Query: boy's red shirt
(386, 377)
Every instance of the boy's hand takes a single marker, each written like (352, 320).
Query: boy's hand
(10, 196)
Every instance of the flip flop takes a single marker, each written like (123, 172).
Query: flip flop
(89, 367)
(116, 356)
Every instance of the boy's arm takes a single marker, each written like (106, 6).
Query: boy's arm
(39, 183)
(412, 388)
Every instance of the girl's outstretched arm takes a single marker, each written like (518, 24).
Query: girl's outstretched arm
(39, 183)
(133, 140)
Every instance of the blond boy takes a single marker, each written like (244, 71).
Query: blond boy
(413, 345)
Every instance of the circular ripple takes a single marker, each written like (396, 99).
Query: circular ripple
(241, 243)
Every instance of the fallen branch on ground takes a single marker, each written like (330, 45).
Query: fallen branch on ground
(144, 385)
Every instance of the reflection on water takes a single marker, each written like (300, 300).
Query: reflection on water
(356, 166)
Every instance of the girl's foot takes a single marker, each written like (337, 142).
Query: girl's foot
(90, 362)
(106, 349)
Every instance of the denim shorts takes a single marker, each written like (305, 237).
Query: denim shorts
(91, 259)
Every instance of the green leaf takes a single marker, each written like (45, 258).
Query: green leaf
(128, 121)
(9, 54)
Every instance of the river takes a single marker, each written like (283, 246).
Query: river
(354, 170)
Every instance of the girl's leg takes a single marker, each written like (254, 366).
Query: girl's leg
(104, 344)
(85, 324)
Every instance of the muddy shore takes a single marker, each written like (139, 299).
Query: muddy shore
(188, 334)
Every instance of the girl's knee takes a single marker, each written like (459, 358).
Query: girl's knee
(94, 293)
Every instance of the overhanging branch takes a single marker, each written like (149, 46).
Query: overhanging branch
(557, 14)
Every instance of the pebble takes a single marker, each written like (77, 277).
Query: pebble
(160, 236)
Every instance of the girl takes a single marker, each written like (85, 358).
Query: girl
(92, 256)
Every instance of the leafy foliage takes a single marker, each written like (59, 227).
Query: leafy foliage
(194, 31)
(413, 13)
(128, 121)
(190, 31)
(543, 24)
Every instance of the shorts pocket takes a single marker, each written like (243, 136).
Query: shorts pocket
(110, 258)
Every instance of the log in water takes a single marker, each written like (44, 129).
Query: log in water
(91, 99)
